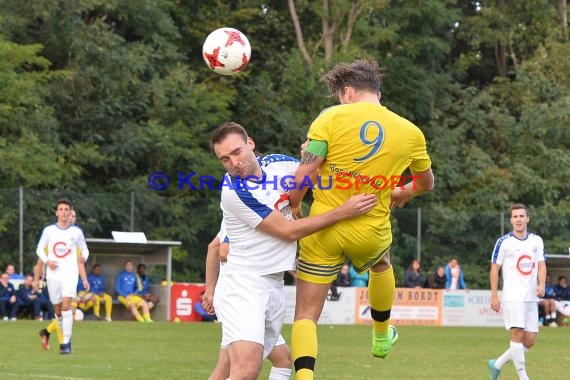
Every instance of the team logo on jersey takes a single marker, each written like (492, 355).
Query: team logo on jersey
(525, 265)
(60, 250)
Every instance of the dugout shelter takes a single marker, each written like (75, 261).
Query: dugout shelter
(112, 254)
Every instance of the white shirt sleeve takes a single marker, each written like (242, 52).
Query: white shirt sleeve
(42, 245)
(241, 204)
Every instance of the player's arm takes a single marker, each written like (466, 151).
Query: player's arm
(38, 270)
(82, 245)
(420, 183)
(82, 274)
(541, 279)
(212, 273)
(41, 251)
(313, 154)
(275, 224)
(494, 280)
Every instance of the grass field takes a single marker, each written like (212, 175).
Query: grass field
(130, 350)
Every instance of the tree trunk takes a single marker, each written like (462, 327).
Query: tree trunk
(563, 13)
(328, 32)
(355, 11)
(299, 33)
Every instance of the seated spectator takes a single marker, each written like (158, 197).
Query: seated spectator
(11, 271)
(206, 317)
(454, 275)
(343, 278)
(562, 295)
(413, 277)
(29, 299)
(548, 303)
(127, 292)
(143, 286)
(97, 284)
(8, 299)
(359, 280)
(437, 279)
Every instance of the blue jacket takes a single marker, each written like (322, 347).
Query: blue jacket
(549, 291)
(460, 281)
(97, 283)
(143, 284)
(126, 283)
(562, 294)
(359, 280)
(7, 292)
(25, 293)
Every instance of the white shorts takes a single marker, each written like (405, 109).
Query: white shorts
(58, 289)
(523, 315)
(251, 307)
(563, 307)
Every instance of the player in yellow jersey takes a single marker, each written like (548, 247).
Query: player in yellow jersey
(356, 147)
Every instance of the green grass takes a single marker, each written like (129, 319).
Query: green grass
(130, 350)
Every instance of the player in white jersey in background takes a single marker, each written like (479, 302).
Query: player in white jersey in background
(520, 255)
(249, 297)
(62, 241)
(280, 356)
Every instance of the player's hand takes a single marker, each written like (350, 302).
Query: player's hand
(36, 286)
(495, 304)
(400, 196)
(208, 302)
(360, 204)
(52, 264)
(540, 290)
(86, 286)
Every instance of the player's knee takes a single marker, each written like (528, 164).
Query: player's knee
(383, 265)
(281, 357)
(249, 370)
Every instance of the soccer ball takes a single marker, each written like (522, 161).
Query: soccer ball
(226, 51)
(79, 315)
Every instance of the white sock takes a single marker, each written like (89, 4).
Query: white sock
(66, 325)
(503, 359)
(517, 351)
(553, 316)
(279, 373)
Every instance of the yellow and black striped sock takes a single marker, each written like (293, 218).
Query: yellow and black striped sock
(304, 348)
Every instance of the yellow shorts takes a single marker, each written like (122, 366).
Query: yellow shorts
(323, 253)
(132, 299)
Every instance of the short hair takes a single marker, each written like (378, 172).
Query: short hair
(226, 129)
(63, 201)
(562, 277)
(141, 265)
(363, 74)
(96, 266)
(518, 206)
(128, 261)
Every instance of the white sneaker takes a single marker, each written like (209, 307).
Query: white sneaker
(5, 318)
(13, 319)
(109, 319)
(553, 324)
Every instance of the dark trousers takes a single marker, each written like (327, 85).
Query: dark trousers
(8, 309)
(31, 307)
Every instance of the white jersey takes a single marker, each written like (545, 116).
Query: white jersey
(519, 263)
(245, 204)
(62, 245)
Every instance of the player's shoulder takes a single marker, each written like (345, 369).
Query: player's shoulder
(275, 158)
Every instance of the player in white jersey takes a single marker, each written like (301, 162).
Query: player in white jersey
(520, 255)
(249, 297)
(58, 249)
(280, 355)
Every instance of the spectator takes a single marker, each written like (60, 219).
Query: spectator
(437, 279)
(11, 270)
(562, 296)
(343, 278)
(548, 303)
(45, 304)
(413, 277)
(8, 299)
(126, 288)
(206, 317)
(359, 280)
(454, 275)
(29, 299)
(97, 282)
(143, 287)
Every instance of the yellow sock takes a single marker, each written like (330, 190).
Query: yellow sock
(147, 317)
(108, 305)
(381, 288)
(139, 318)
(54, 326)
(304, 348)
(96, 306)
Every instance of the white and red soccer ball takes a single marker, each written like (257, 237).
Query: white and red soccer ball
(226, 51)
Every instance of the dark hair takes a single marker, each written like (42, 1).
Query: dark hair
(63, 201)
(97, 266)
(518, 206)
(562, 277)
(363, 74)
(226, 129)
(141, 265)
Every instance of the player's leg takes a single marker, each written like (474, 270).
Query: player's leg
(280, 358)
(108, 306)
(145, 309)
(246, 359)
(95, 302)
(222, 369)
(381, 288)
(551, 303)
(66, 324)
